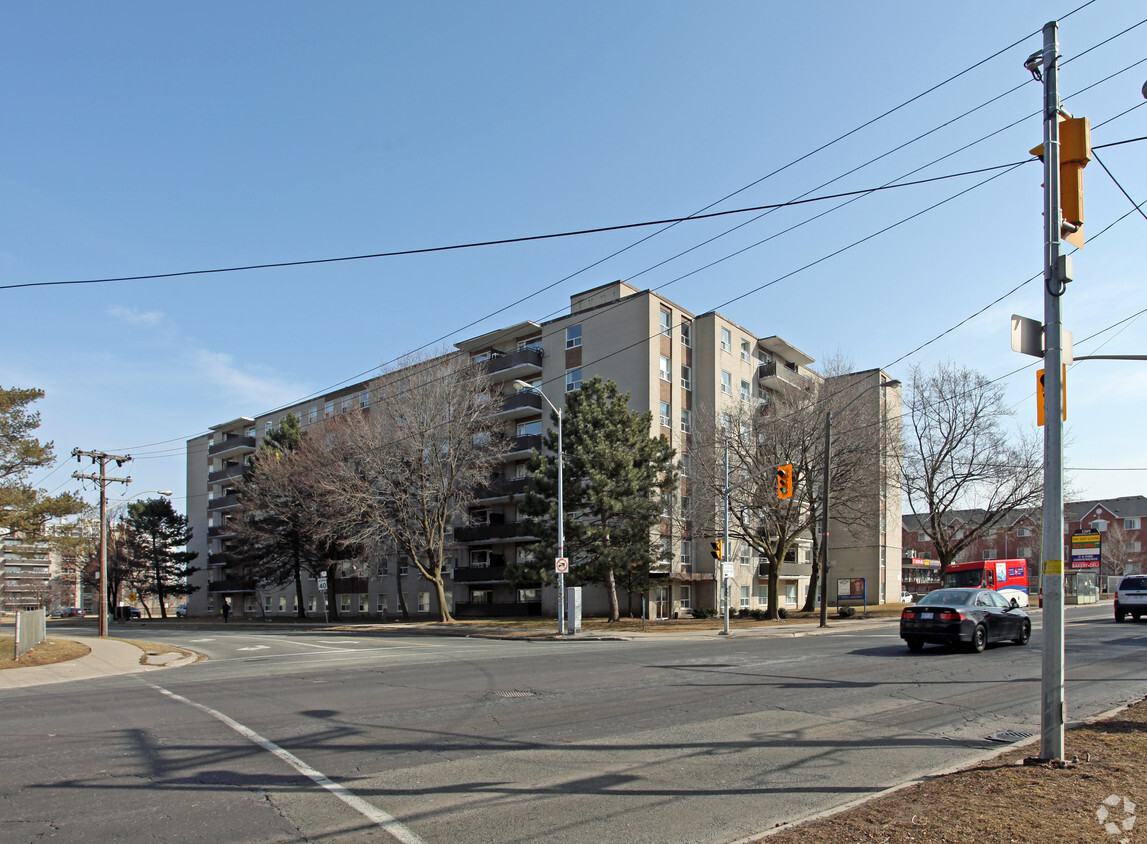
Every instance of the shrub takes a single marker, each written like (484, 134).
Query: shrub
(698, 612)
(846, 611)
(743, 612)
(782, 612)
(758, 614)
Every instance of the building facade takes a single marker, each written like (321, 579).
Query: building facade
(674, 364)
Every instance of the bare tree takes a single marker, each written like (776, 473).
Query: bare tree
(960, 456)
(413, 464)
(1119, 551)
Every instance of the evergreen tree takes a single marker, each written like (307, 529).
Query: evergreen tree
(155, 532)
(615, 475)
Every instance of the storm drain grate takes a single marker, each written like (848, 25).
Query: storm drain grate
(1009, 736)
(510, 693)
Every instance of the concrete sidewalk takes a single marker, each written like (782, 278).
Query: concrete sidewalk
(108, 657)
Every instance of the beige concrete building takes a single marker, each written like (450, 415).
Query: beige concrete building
(675, 364)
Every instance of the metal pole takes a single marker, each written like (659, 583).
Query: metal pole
(561, 533)
(824, 521)
(1053, 709)
(725, 543)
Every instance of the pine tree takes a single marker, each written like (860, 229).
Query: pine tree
(155, 532)
(615, 474)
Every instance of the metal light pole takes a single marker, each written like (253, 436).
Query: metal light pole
(824, 497)
(561, 509)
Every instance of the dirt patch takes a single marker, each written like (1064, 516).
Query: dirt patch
(47, 652)
(1002, 801)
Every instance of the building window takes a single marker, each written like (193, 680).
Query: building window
(526, 596)
(1025, 553)
(745, 595)
(686, 600)
(667, 323)
(267, 427)
(424, 602)
(312, 604)
(686, 556)
(746, 351)
(344, 603)
(686, 378)
(364, 398)
(1135, 546)
(666, 369)
(328, 409)
(745, 555)
(666, 415)
(573, 336)
(266, 603)
(686, 457)
(363, 602)
(1022, 532)
(380, 602)
(746, 391)
(790, 594)
(479, 559)
(666, 557)
(313, 415)
(990, 555)
(481, 596)
(1131, 524)
(686, 334)
(726, 340)
(726, 382)
(526, 428)
(686, 421)
(573, 379)
(923, 537)
(1099, 525)
(345, 407)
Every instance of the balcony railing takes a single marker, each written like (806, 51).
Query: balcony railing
(230, 586)
(480, 533)
(485, 574)
(525, 403)
(526, 442)
(497, 610)
(523, 361)
(226, 473)
(220, 531)
(223, 502)
(504, 488)
(232, 443)
(774, 376)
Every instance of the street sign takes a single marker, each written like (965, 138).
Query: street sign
(322, 584)
(1086, 550)
(562, 565)
(727, 569)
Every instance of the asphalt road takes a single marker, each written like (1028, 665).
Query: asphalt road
(319, 736)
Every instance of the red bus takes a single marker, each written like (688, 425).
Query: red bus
(1008, 577)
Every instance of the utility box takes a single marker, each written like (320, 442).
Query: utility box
(573, 609)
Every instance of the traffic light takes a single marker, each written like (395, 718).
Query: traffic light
(1039, 412)
(1074, 153)
(785, 481)
(718, 550)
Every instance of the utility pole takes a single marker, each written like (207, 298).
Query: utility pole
(103, 480)
(1053, 711)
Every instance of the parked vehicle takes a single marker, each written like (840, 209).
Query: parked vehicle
(1009, 577)
(181, 611)
(906, 598)
(71, 612)
(971, 617)
(1131, 597)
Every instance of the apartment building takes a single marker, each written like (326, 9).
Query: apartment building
(25, 573)
(675, 364)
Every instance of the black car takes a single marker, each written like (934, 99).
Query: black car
(1131, 597)
(971, 617)
(72, 612)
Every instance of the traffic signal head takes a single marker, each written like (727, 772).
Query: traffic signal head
(718, 550)
(1074, 153)
(785, 481)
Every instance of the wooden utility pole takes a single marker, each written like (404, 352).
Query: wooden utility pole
(103, 480)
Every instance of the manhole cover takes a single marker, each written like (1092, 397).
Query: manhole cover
(1009, 736)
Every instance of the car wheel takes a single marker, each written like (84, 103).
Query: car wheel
(1120, 616)
(1025, 633)
(914, 645)
(979, 639)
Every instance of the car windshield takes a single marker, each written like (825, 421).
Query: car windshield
(948, 598)
(1134, 583)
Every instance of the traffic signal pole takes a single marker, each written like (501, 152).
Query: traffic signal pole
(1053, 708)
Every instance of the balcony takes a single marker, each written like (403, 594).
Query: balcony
(354, 585)
(521, 404)
(522, 445)
(235, 470)
(522, 530)
(503, 490)
(220, 531)
(775, 376)
(484, 574)
(523, 363)
(220, 558)
(223, 502)
(230, 444)
(508, 609)
(230, 586)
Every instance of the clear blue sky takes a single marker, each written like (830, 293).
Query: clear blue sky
(146, 138)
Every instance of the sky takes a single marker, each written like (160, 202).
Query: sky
(151, 138)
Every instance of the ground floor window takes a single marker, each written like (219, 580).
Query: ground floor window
(527, 595)
(250, 607)
(282, 603)
(481, 596)
(266, 603)
(790, 593)
(344, 603)
(364, 603)
(746, 592)
(424, 602)
(686, 601)
(381, 602)
(312, 604)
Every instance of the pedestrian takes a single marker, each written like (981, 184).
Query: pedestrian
(226, 611)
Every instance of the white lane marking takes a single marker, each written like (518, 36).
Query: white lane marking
(255, 648)
(340, 641)
(357, 652)
(202, 640)
(377, 816)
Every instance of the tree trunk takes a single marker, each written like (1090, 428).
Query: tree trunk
(611, 589)
(301, 610)
(440, 594)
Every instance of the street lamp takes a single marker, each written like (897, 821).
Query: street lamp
(828, 417)
(522, 385)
